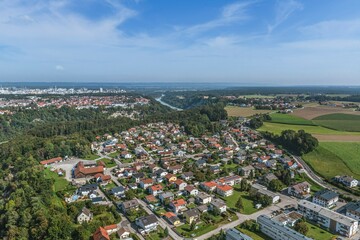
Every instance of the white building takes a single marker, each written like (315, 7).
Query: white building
(325, 198)
(277, 231)
(335, 222)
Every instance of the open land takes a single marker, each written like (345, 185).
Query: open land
(234, 111)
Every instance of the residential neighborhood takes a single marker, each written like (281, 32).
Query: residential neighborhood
(167, 184)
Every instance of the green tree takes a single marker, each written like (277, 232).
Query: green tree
(275, 185)
(239, 204)
(301, 227)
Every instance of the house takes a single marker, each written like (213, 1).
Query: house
(288, 219)
(85, 216)
(132, 186)
(170, 178)
(87, 189)
(101, 234)
(166, 196)
(325, 198)
(172, 218)
(202, 208)
(161, 173)
(129, 205)
(217, 205)
(81, 171)
(300, 190)
(246, 171)
(224, 190)
(347, 181)
(191, 190)
(200, 163)
(262, 190)
(102, 179)
(51, 161)
(175, 169)
(147, 224)
(271, 163)
(110, 229)
(187, 176)
(203, 198)
(191, 215)
(267, 178)
(229, 180)
(178, 205)
(215, 169)
(145, 183)
(263, 159)
(155, 189)
(118, 191)
(123, 233)
(151, 199)
(180, 184)
(138, 176)
(209, 186)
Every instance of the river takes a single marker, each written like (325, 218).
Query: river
(166, 104)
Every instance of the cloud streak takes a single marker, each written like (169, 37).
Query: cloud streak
(284, 8)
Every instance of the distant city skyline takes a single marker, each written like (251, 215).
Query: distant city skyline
(255, 42)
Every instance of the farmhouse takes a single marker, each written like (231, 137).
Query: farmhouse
(51, 161)
(81, 171)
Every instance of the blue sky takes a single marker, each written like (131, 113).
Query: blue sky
(272, 42)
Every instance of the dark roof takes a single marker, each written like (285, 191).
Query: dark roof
(97, 199)
(326, 194)
(200, 161)
(88, 187)
(191, 212)
(130, 204)
(147, 220)
(139, 175)
(353, 206)
(117, 189)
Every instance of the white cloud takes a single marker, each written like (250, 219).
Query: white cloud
(333, 28)
(59, 68)
(284, 8)
(230, 14)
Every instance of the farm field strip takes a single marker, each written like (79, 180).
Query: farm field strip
(234, 111)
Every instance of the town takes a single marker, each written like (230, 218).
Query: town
(166, 184)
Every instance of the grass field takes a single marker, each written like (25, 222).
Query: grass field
(253, 235)
(335, 158)
(91, 157)
(108, 162)
(60, 183)
(247, 202)
(289, 119)
(234, 111)
(318, 233)
(277, 128)
(311, 112)
(339, 121)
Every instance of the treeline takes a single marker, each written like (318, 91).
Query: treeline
(258, 120)
(298, 142)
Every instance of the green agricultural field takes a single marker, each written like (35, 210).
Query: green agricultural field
(277, 128)
(335, 158)
(289, 119)
(60, 183)
(339, 121)
(108, 162)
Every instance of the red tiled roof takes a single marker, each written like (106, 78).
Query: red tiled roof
(52, 160)
(110, 227)
(179, 202)
(225, 188)
(169, 214)
(156, 187)
(101, 234)
(210, 184)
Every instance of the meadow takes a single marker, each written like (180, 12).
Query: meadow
(289, 119)
(339, 121)
(335, 158)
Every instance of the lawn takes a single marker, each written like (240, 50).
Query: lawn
(60, 183)
(126, 160)
(114, 154)
(108, 162)
(202, 228)
(277, 128)
(253, 235)
(318, 233)
(247, 202)
(91, 157)
(289, 119)
(158, 235)
(340, 121)
(335, 158)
